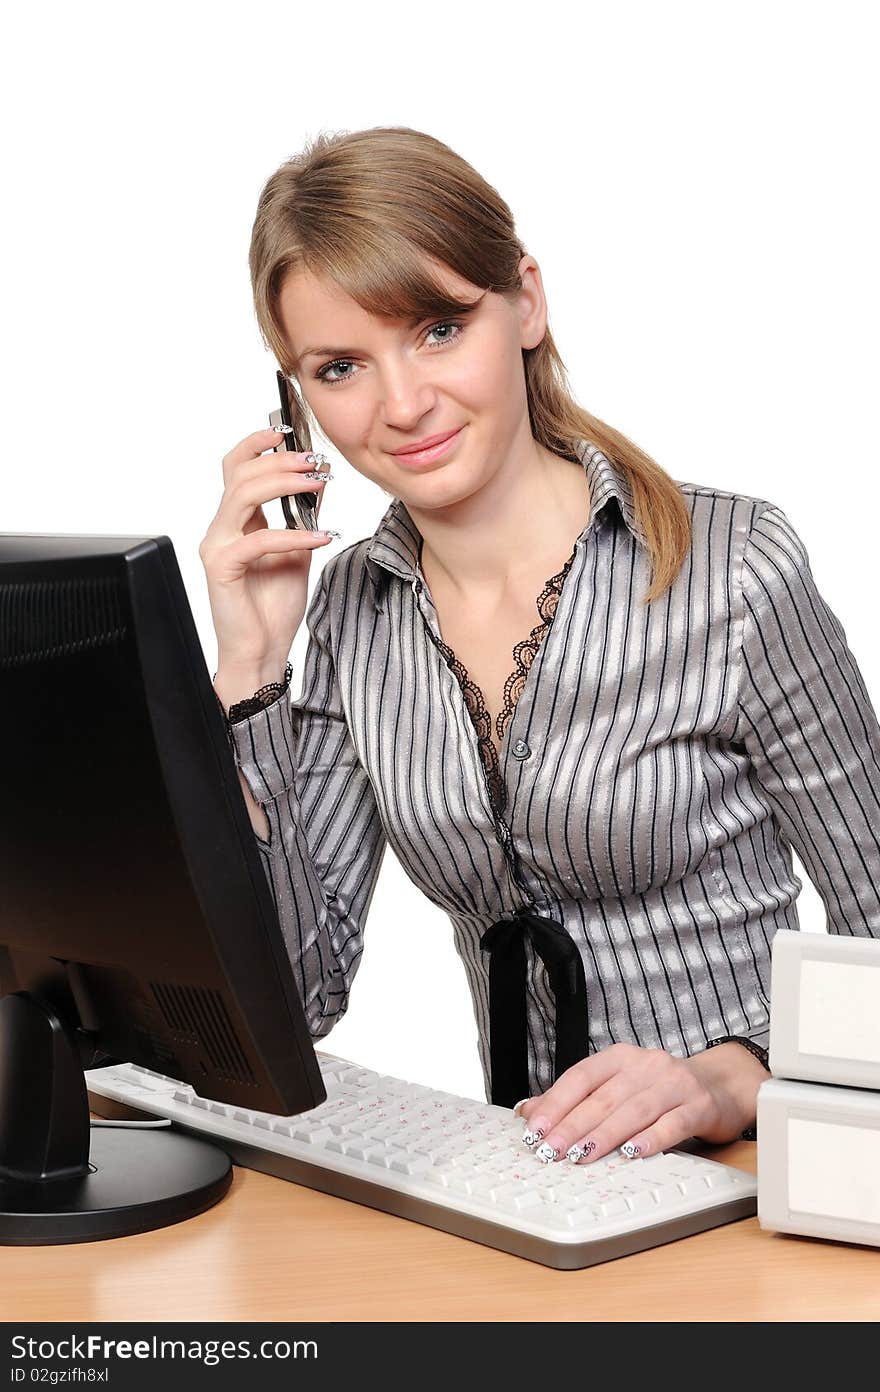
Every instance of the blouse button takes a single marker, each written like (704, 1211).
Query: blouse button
(521, 750)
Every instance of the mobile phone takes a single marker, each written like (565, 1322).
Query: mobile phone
(306, 504)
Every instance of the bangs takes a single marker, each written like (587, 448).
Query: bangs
(394, 281)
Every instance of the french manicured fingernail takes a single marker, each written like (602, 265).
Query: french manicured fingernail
(583, 1150)
(317, 459)
(317, 474)
(283, 429)
(535, 1131)
(519, 1104)
(546, 1153)
(630, 1150)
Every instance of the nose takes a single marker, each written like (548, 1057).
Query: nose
(404, 394)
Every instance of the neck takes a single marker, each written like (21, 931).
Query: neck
(524, 519)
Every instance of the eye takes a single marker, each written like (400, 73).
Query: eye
(447, 324)
(456, 324)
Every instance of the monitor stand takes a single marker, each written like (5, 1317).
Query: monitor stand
(62, 1180)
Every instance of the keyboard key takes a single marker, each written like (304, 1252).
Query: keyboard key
(402, 1162)
(567, 1200)
(417, 1165)
(344, 1121)
(383, 1131)
(642, 1201)
(446, 1179)
(547, 1176)
(480, 1184)
(506, 1190)
(668, 1194)
(393, 1158)
(360, 1149)
(527, 1200)
(559, 1218)
(456, 1181)
(721, 1179)
(311, 1135)
(611, 1208)
(464, 1158)
(352, 1075)
(579, 1218)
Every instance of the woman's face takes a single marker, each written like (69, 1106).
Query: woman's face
(378, 384)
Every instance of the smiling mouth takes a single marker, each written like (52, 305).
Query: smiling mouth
(430, 443)
(428, 453)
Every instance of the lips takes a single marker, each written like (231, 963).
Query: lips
(427, 443)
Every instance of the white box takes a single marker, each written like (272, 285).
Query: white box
(825, 1008)
(819, 1161)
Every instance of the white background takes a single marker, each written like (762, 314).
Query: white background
(697, 182)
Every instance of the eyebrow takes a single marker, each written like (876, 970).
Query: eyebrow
(353, 352)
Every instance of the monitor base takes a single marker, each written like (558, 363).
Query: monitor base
(138, 1180)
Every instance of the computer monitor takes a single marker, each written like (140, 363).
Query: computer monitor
(136, 919)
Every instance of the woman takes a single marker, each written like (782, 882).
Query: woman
(605, 801)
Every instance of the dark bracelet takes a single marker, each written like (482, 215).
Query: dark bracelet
(252, 705)
(761, 1054)
(751, 1132)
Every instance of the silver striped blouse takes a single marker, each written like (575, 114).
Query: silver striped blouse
(657, 767)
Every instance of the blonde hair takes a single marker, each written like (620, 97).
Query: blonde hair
(364, 209)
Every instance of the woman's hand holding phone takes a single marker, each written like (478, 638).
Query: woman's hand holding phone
(257, 576)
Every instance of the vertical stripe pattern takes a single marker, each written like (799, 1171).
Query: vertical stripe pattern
(659, 766)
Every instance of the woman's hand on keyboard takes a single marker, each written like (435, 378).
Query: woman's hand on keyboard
(642, 1101)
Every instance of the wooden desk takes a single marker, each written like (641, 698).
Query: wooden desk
(271, 1250)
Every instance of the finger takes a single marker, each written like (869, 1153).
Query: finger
(242, 498)
(296, 459)
(234, 560)
(302, 461)
(258, 517)
(588, 1122)
(543, 1113)
(248, 458)
(667, 1131)
(636, 1116)
(256, 522)
(312, 468)
(250, 447)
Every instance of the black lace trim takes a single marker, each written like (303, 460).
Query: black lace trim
(524, 654)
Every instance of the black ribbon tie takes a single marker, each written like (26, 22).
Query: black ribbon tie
(508, 1019)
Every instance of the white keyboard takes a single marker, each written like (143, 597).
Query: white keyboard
(451, 1163)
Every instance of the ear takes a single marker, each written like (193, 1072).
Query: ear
(531, 303)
